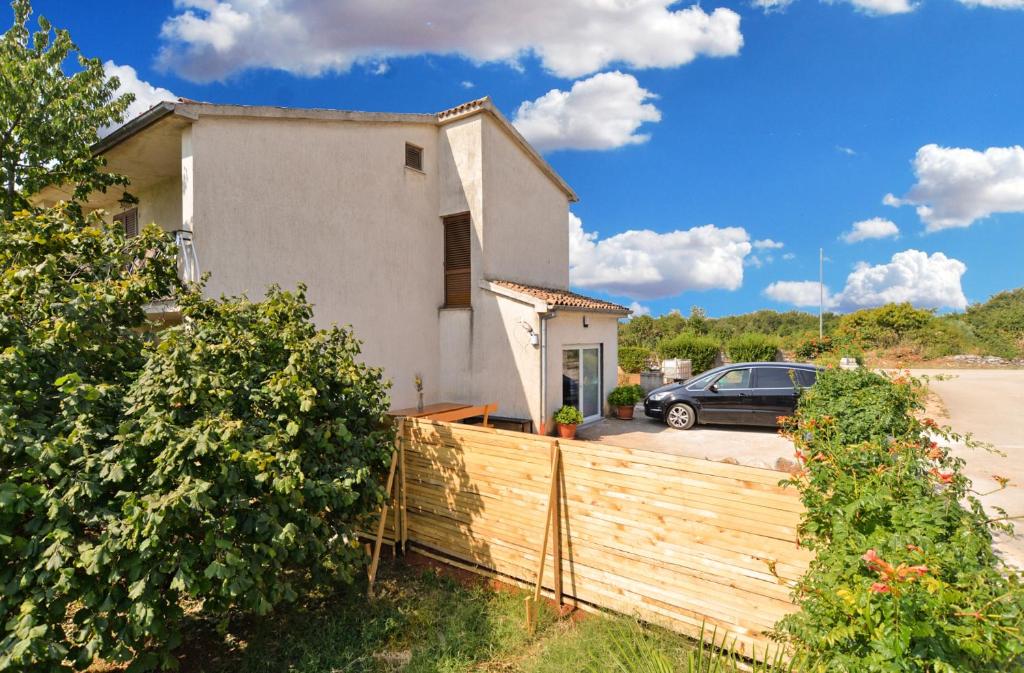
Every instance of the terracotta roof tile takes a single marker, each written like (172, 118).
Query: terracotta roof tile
(563, 298)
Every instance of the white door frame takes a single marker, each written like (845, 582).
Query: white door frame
(579, 348)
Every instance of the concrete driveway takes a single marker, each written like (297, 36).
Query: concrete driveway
(989, 404)
(756, 447)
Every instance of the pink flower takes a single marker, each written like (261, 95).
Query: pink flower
(880, 588)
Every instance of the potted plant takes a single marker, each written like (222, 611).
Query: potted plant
(624, 398)
(568, 418)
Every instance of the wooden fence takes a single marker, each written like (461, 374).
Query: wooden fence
(676, 541)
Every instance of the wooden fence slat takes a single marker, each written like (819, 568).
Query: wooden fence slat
(678, 541)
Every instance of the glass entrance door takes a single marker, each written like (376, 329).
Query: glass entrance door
(581, 380)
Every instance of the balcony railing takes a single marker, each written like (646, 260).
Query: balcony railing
(188, 260)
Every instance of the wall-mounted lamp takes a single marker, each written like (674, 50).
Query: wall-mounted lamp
(534, 337)
(586, 322)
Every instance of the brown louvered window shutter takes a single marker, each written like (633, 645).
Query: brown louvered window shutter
(414, 157)
(457, 285)
(129, 221)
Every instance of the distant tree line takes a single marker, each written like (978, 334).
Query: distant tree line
(995, 327)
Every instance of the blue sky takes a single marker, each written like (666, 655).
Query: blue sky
(698, 138)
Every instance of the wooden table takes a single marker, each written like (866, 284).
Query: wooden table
(429, 409)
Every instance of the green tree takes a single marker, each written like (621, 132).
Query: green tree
(224, 464)
(71, 311)
(48, 118)
(698, 322)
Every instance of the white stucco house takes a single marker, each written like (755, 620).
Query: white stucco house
(442, 239)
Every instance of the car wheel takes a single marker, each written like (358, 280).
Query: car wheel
(680, 416)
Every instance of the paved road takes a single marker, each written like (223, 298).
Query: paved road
(989, 404)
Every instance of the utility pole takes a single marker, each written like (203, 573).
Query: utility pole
(821, 293)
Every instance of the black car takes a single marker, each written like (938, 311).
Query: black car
(747, 393)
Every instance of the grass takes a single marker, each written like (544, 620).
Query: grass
(423, 622)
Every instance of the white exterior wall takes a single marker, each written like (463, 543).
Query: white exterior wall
(460, 175)
(566, 329)
(526, 239)
(333, 206)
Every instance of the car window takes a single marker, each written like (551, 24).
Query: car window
(700, 383)
(806, 377)
(737, 378)
(774, 377)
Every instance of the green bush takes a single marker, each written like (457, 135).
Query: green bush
(943, 337)
(220, 467)
(999, 324)
(810, 348)
(904, 577)
(751, 347)
(625, 396)
(882, 327)
(258, 442)
(568, 416)
(633, 359)
(870, 406)
(71, 340)
(699, 350)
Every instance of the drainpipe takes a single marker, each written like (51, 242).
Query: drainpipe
(544, 317)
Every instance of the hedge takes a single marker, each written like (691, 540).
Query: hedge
(751, 347)
(701, 351)
(633, 359)
(904, 576)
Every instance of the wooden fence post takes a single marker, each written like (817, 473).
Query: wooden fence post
(550, 525)
(389, 498)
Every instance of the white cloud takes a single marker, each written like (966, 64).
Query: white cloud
(770, 6)
(801, 293)
(929, 281)
(872, 7)
(848, 151)
(646, 264)
(768, 244)
(957, 186)
(146, 95)
(466, 84)
(212, 39)
(789, 256)
(884, 7)
(995, 4)
(599, 113)
(876, 227)
(639, 309)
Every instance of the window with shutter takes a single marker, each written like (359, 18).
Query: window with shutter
(457, 283)
(129, 221)
(414, 157)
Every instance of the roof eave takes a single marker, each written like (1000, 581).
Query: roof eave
(143, 121)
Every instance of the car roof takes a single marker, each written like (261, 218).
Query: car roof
(787, 365)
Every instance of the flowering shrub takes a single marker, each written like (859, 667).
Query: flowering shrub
(904, 577)
(812, 347)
